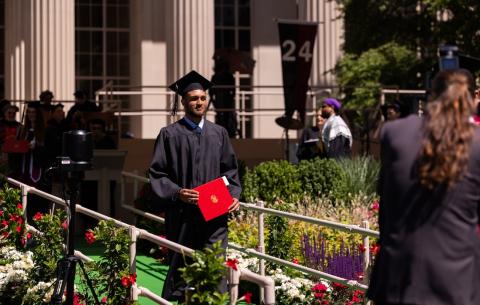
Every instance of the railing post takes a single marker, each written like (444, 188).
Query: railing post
(366, 255)
(233, 282)
(24, 194)
(133, 233)
(135, 185)
(261, 245)
(122, 189)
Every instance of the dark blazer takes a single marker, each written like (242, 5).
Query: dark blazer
(429, 242)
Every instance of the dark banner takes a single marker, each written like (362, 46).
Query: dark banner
(296, 41)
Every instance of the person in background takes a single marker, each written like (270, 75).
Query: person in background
(32, 164)
(336, 135)
(101, 140)
(9, 131)
(189, 153)
(393, 111)
(46, 98)
(429, 189)
(75, 117)
(56, 126)
(311, 145)
(224, 98)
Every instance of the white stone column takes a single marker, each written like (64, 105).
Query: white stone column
(39, 48)
(327, 48)
(148, 69)
(190, 37)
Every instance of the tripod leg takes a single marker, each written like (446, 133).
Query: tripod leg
(89, 282)
(63, 271)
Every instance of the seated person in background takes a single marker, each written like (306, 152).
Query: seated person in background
(101, 140)
(75, 118)
(310, 145)
(336, 135)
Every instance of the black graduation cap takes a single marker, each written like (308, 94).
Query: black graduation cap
(190, 81)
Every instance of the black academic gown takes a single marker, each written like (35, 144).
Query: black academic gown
(184, 159)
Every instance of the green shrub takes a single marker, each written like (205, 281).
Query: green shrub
(272, 181)
(321, 178)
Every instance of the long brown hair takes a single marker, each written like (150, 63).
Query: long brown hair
(448, 131)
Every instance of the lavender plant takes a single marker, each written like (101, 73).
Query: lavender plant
(343, 261)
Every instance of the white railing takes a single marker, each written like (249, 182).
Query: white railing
(266, 283)
(260, 252)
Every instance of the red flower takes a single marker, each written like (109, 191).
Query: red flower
(295, 261)
(22, 241)
(361, 248)
(319, 288)
(325, 302)
(375, 206)
(19, 206)
(360, 276)
(104, 300)
(19, 220)
(5, 223)
(5, 234)
(133, 278)
(29, 235)
(1, 212)
(65, 225)
(374, 249)
(248, 297)
(338, 286)
(38, 216)
(19, 229)
(232, 263)
(125, 281)
(90, 237)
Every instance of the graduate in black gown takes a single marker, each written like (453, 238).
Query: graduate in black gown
(188, 153)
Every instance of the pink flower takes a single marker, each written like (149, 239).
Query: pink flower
(232, 263)
(64, 225)
(104, 300)
(89, 237)
(38, 216)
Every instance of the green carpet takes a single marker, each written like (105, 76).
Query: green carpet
(150, 273)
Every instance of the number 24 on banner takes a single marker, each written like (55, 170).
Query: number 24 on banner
(305, 51)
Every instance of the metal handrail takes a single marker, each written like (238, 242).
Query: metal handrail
(365, 232)
(134, 233)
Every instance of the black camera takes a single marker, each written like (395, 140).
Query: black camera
(77, 151)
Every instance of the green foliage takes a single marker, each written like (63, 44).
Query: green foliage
(360, 175)
(321, 178)
(12, 222)
(361, 77)
(271, 181)
(280, 238)
(110, 275)
(204, 275)
(243, 230)
(48, 246)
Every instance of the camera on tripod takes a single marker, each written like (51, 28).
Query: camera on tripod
(77, 152)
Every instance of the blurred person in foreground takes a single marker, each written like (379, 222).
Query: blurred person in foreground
(429, 191)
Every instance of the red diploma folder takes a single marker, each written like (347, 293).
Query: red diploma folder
(15, 146)
(214, 198)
